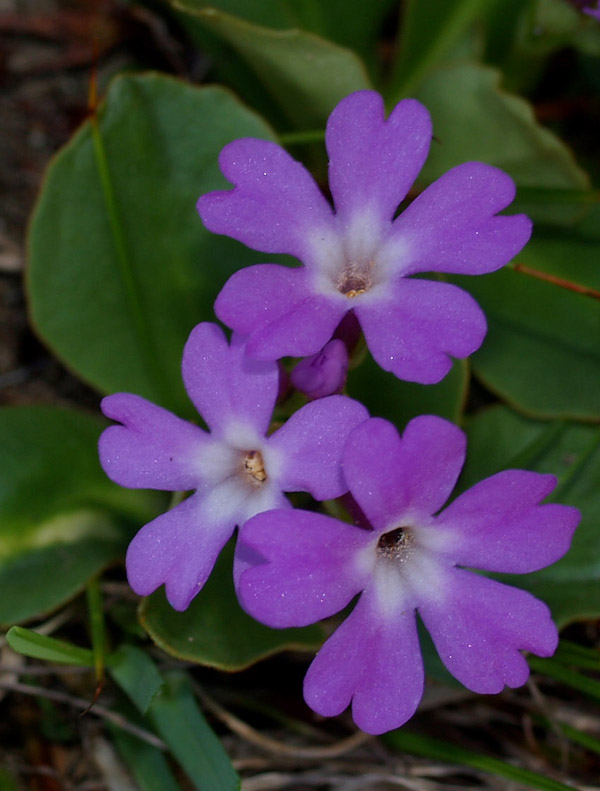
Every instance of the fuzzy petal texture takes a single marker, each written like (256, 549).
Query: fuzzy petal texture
(415, 330)
(373, 662)
(275, 206)
(224, 384)
(391, 477)
(324, 373)
(451, 226)
(152, 449)
(311, 442)
(177, 549)
(499, 524)
(479, 626)
(373, 161)
(310, 568)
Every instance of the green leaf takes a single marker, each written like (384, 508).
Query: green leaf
(386, 396)
(214, 630)
(502, 131)
(305, 75)
(350, 23)
(454, 754)
(147, 764)
(121, 267)
(136, 674)
(61, 519)
(39, 646)
(180, 723)
(427, 33)
(541, 352)
(500, 439)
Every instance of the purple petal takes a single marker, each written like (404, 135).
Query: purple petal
(178, 549)
(373, 162)
(422, 322)
(370, 464)
(304, 330)
(311, 443)
(275, 206)
(450, 227)
(324, 373)
(376, 663)
(311, 569)
(500, 526)
(257, 296)
(389, 476)
(224, 384)
(479, 626)
(153, 449)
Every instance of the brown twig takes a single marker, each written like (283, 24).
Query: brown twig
(81, 703)
(247, 732)
(556, 281)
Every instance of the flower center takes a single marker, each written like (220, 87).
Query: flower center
(355, 280)
(396, 544)
(254, 467)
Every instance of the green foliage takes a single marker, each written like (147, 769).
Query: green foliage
(136, 674)
(61, 519)
(40, 646)
(132, 268)
(214, 630)
(304, 75)
(541, 353)
(180, 723)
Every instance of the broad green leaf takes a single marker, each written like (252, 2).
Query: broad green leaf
(386, 396)
(146, 763)
(350, 23)
(427, 33)
(214, 630)
(541, 352)
(136, 674)
(40, 646)
(501, 439)
(61, 519)
(452, 753)
(121, 267)
(474, 119)
(180, 723)
(305, 75)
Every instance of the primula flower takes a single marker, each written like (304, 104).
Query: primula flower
(306, 566)
(324, 373)
(235, 470)
(358, 257)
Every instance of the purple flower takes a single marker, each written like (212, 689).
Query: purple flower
(595, 12)
(324, 373)
(414, 559)
(585, 7)
(235, 470)
(358, 257)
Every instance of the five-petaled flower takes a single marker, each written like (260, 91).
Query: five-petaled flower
(236, 471)
(308, 566)
(359, 258)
